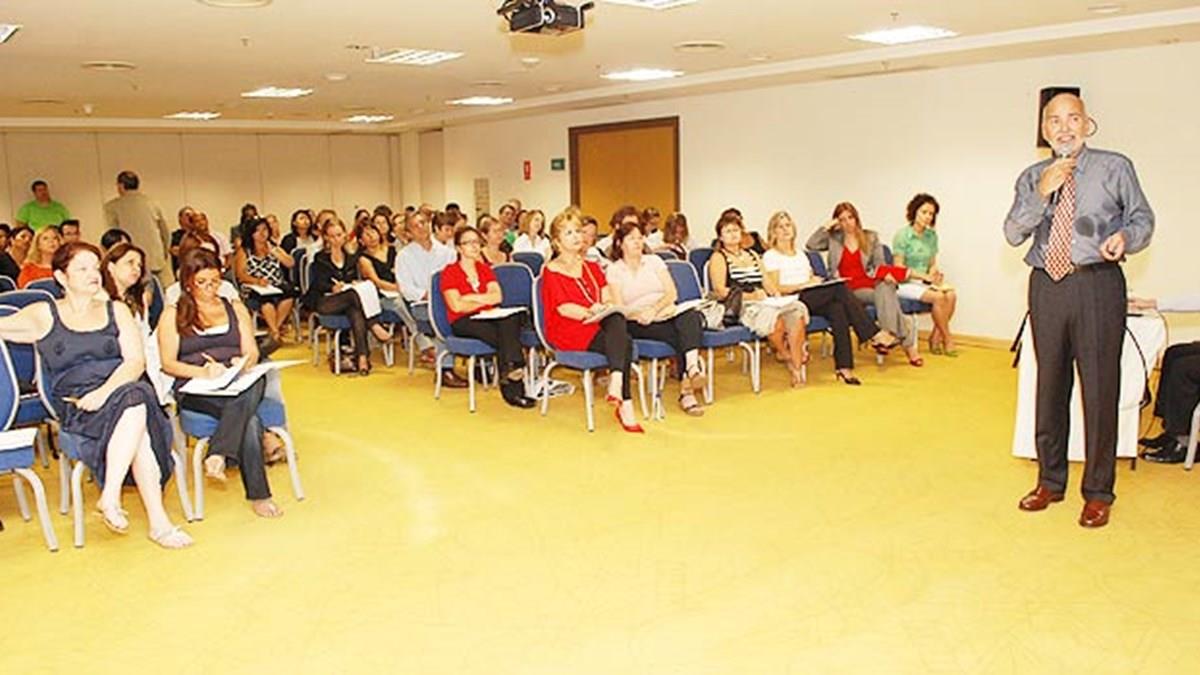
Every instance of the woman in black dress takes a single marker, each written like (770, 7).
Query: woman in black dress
(95, 359)
(333, 271)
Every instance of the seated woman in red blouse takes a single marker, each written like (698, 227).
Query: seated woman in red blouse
(857, 255)
(470, 286)
(574, 290)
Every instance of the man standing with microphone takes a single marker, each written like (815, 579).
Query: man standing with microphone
(1086, 211)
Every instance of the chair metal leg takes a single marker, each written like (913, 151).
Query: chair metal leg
(42, 442)
(64, 483)
(412, 353)
(712, 375)
(637, 370)
(437, 376)
(198, 477)
(470, 383)
(336, 338)
(77, 501)
(654, 400)
(181, 479)
(756, 367)
(545, 386)
(22, 504)
(39, 498)
(1192, 439)
(587, 400)
(289, 448)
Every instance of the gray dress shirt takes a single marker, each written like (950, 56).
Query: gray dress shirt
(1108, 199)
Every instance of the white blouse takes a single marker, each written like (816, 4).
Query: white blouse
(794, 270)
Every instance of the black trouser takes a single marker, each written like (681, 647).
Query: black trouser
(239, 433)
(836, 303)
(682, 332)
(1178, 388)
(347, 303)
(614, 342)
(1079, 321)
(503, 334)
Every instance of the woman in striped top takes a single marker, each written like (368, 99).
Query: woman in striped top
(784, 327)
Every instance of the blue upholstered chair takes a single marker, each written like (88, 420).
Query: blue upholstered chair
(17, 458)
(531, 259)
(49, 285)
(583, 361)
(470, 348)
(273, 416)
(687, 285)
(71, 477)
(516, 289)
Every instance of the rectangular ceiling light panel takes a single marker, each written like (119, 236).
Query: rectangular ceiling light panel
(904, 35)
(413, 57)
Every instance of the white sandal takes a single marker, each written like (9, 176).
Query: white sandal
(174, 538)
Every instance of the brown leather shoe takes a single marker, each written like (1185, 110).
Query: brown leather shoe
(1038, 499)
(1095, 513)
(451, 380)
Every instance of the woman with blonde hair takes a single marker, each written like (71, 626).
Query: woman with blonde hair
(735, 270)
(574, 292)
(533, 234)
(37, 263)
(856, 254)
(791, 272)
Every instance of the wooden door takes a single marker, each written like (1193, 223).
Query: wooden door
(623, 163)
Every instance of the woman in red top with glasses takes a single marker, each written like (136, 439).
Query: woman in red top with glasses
(573, 291)
(470, 287)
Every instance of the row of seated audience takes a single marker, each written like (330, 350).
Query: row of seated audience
(96, 350)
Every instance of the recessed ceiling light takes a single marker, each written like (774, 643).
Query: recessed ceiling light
(553, 88)
(235, 4)
(277, 92)
(1106, 8)
(481, 100)
(651, 4)
(336, 77)
(412, 57)
(108, 66)
(7, 30)
(904, 35)
(760, 58)
(196, 115)
(530, 61)
(368, 119)
(700, 46)
(642, 74)
(487, 83)
(43, 101)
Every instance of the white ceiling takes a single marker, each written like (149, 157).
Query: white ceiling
(193, 57)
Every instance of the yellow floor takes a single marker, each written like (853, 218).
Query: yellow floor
(831, 529)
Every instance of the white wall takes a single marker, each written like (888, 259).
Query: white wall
(962, 134)
(216, 173)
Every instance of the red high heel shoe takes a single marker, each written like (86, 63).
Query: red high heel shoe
(634, 428)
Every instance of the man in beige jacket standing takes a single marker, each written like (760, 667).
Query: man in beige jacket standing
(138, 215)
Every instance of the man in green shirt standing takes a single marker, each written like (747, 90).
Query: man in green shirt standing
(42, 211)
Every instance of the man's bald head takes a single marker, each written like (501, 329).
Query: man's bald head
(1065, 123)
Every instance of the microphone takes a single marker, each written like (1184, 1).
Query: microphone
(1061, 151)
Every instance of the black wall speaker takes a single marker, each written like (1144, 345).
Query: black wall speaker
(1047, 94)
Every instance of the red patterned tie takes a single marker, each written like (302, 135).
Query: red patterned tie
(1062, 230)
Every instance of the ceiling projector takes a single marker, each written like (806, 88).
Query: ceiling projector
(542, 16)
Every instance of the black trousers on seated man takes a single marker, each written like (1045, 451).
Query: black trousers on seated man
(1078, 322)
(1179, 388)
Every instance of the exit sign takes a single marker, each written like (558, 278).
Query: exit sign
(558, 164)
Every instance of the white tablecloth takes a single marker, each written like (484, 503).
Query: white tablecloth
(1150, 333)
